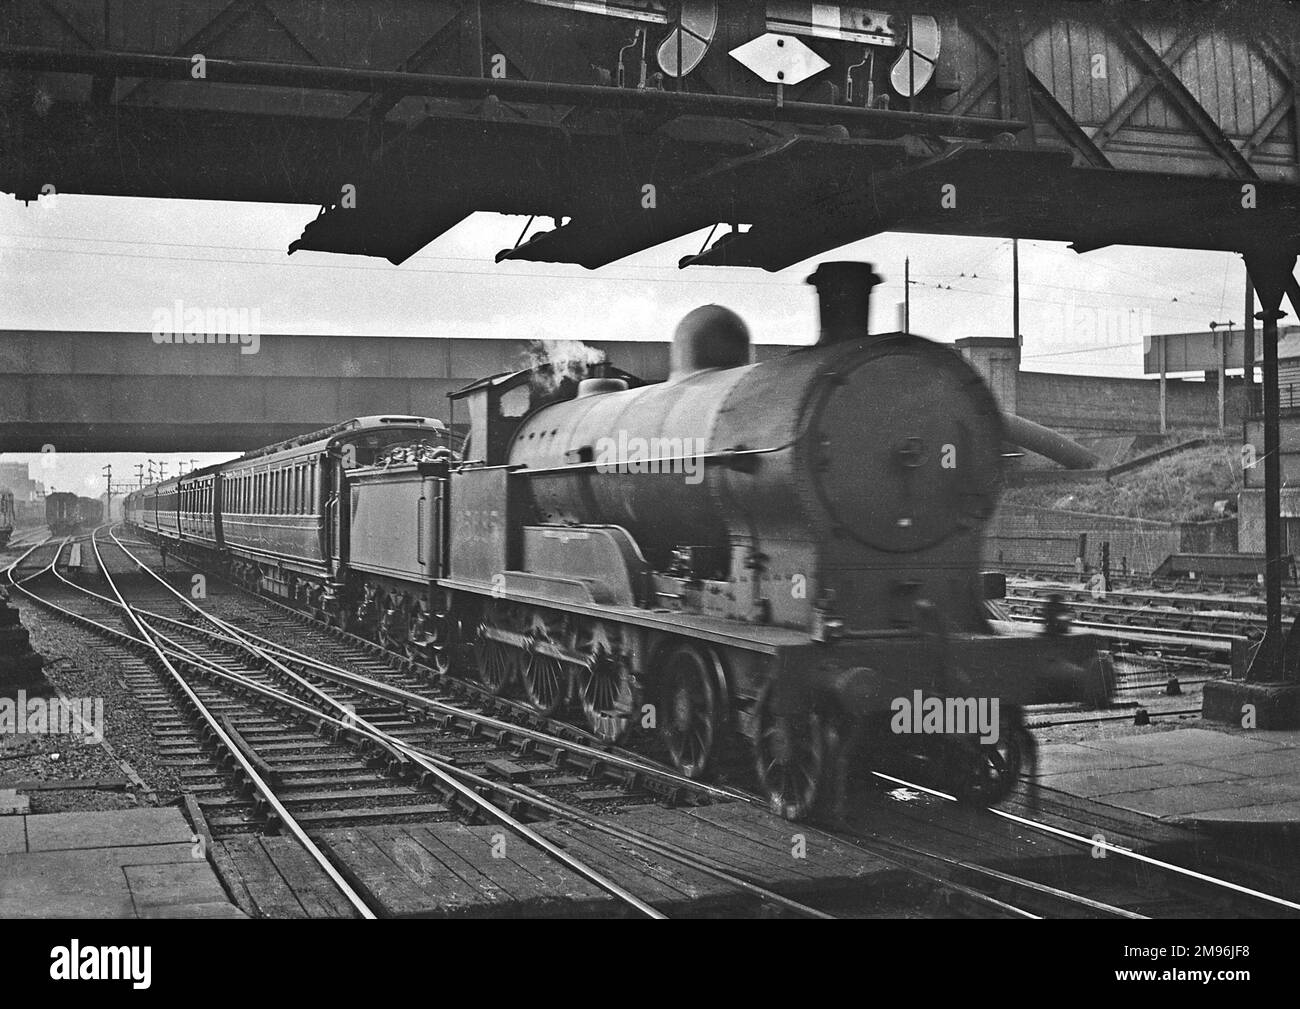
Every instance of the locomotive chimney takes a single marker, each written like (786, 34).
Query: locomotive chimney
(844, 294)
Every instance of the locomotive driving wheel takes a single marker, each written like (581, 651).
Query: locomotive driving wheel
(694, 695)
(795, 753)
(606, 687)
(498, 663)
(545, 678)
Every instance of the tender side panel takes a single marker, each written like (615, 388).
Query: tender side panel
(395, 524)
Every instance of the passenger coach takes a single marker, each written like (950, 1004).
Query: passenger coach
(277, 515)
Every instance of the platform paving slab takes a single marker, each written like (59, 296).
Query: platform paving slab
(1090, 784)
(1198, 777)
(1060, 758)
(116, 864)
(112, 828)
(13, 834)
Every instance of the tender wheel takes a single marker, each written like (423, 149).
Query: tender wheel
(792, 757)
(421, 634)
(694, 708)
(545, 678)
(394, 626)
(606, 688)
(984, 775)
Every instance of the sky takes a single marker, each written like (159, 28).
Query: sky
(72, 262)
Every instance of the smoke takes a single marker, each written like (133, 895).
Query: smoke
(552, 361)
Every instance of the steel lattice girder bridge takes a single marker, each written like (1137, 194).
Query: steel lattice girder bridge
(399, 118)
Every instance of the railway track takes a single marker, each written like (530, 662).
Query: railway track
(381, 719)
(1120, 881)
(135, 638)
(981, 888)
(267, 699)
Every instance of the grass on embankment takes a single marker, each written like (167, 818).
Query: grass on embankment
(1181, 488)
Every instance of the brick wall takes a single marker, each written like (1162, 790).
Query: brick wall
(1049, 539)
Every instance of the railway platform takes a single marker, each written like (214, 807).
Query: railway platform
(1241, 782)
(136, 863)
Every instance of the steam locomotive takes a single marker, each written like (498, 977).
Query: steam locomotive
(67, 513)
(788, 551)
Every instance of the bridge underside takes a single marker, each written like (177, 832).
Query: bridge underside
(121, 392)
(152, 438)
(402, 123)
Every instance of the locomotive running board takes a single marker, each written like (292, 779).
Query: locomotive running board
(750, 637)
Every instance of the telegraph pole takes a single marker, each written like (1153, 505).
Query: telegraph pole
(108, 492)
(907, 296)
(1223, 362)
(1248, 350)
(1015, 288)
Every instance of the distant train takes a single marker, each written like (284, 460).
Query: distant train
(67, 513)
(785, 551)
(7, 516)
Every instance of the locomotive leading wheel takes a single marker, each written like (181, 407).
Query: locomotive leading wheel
(694, 707)
(984, 775)
(545, 679)
(792, 751)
